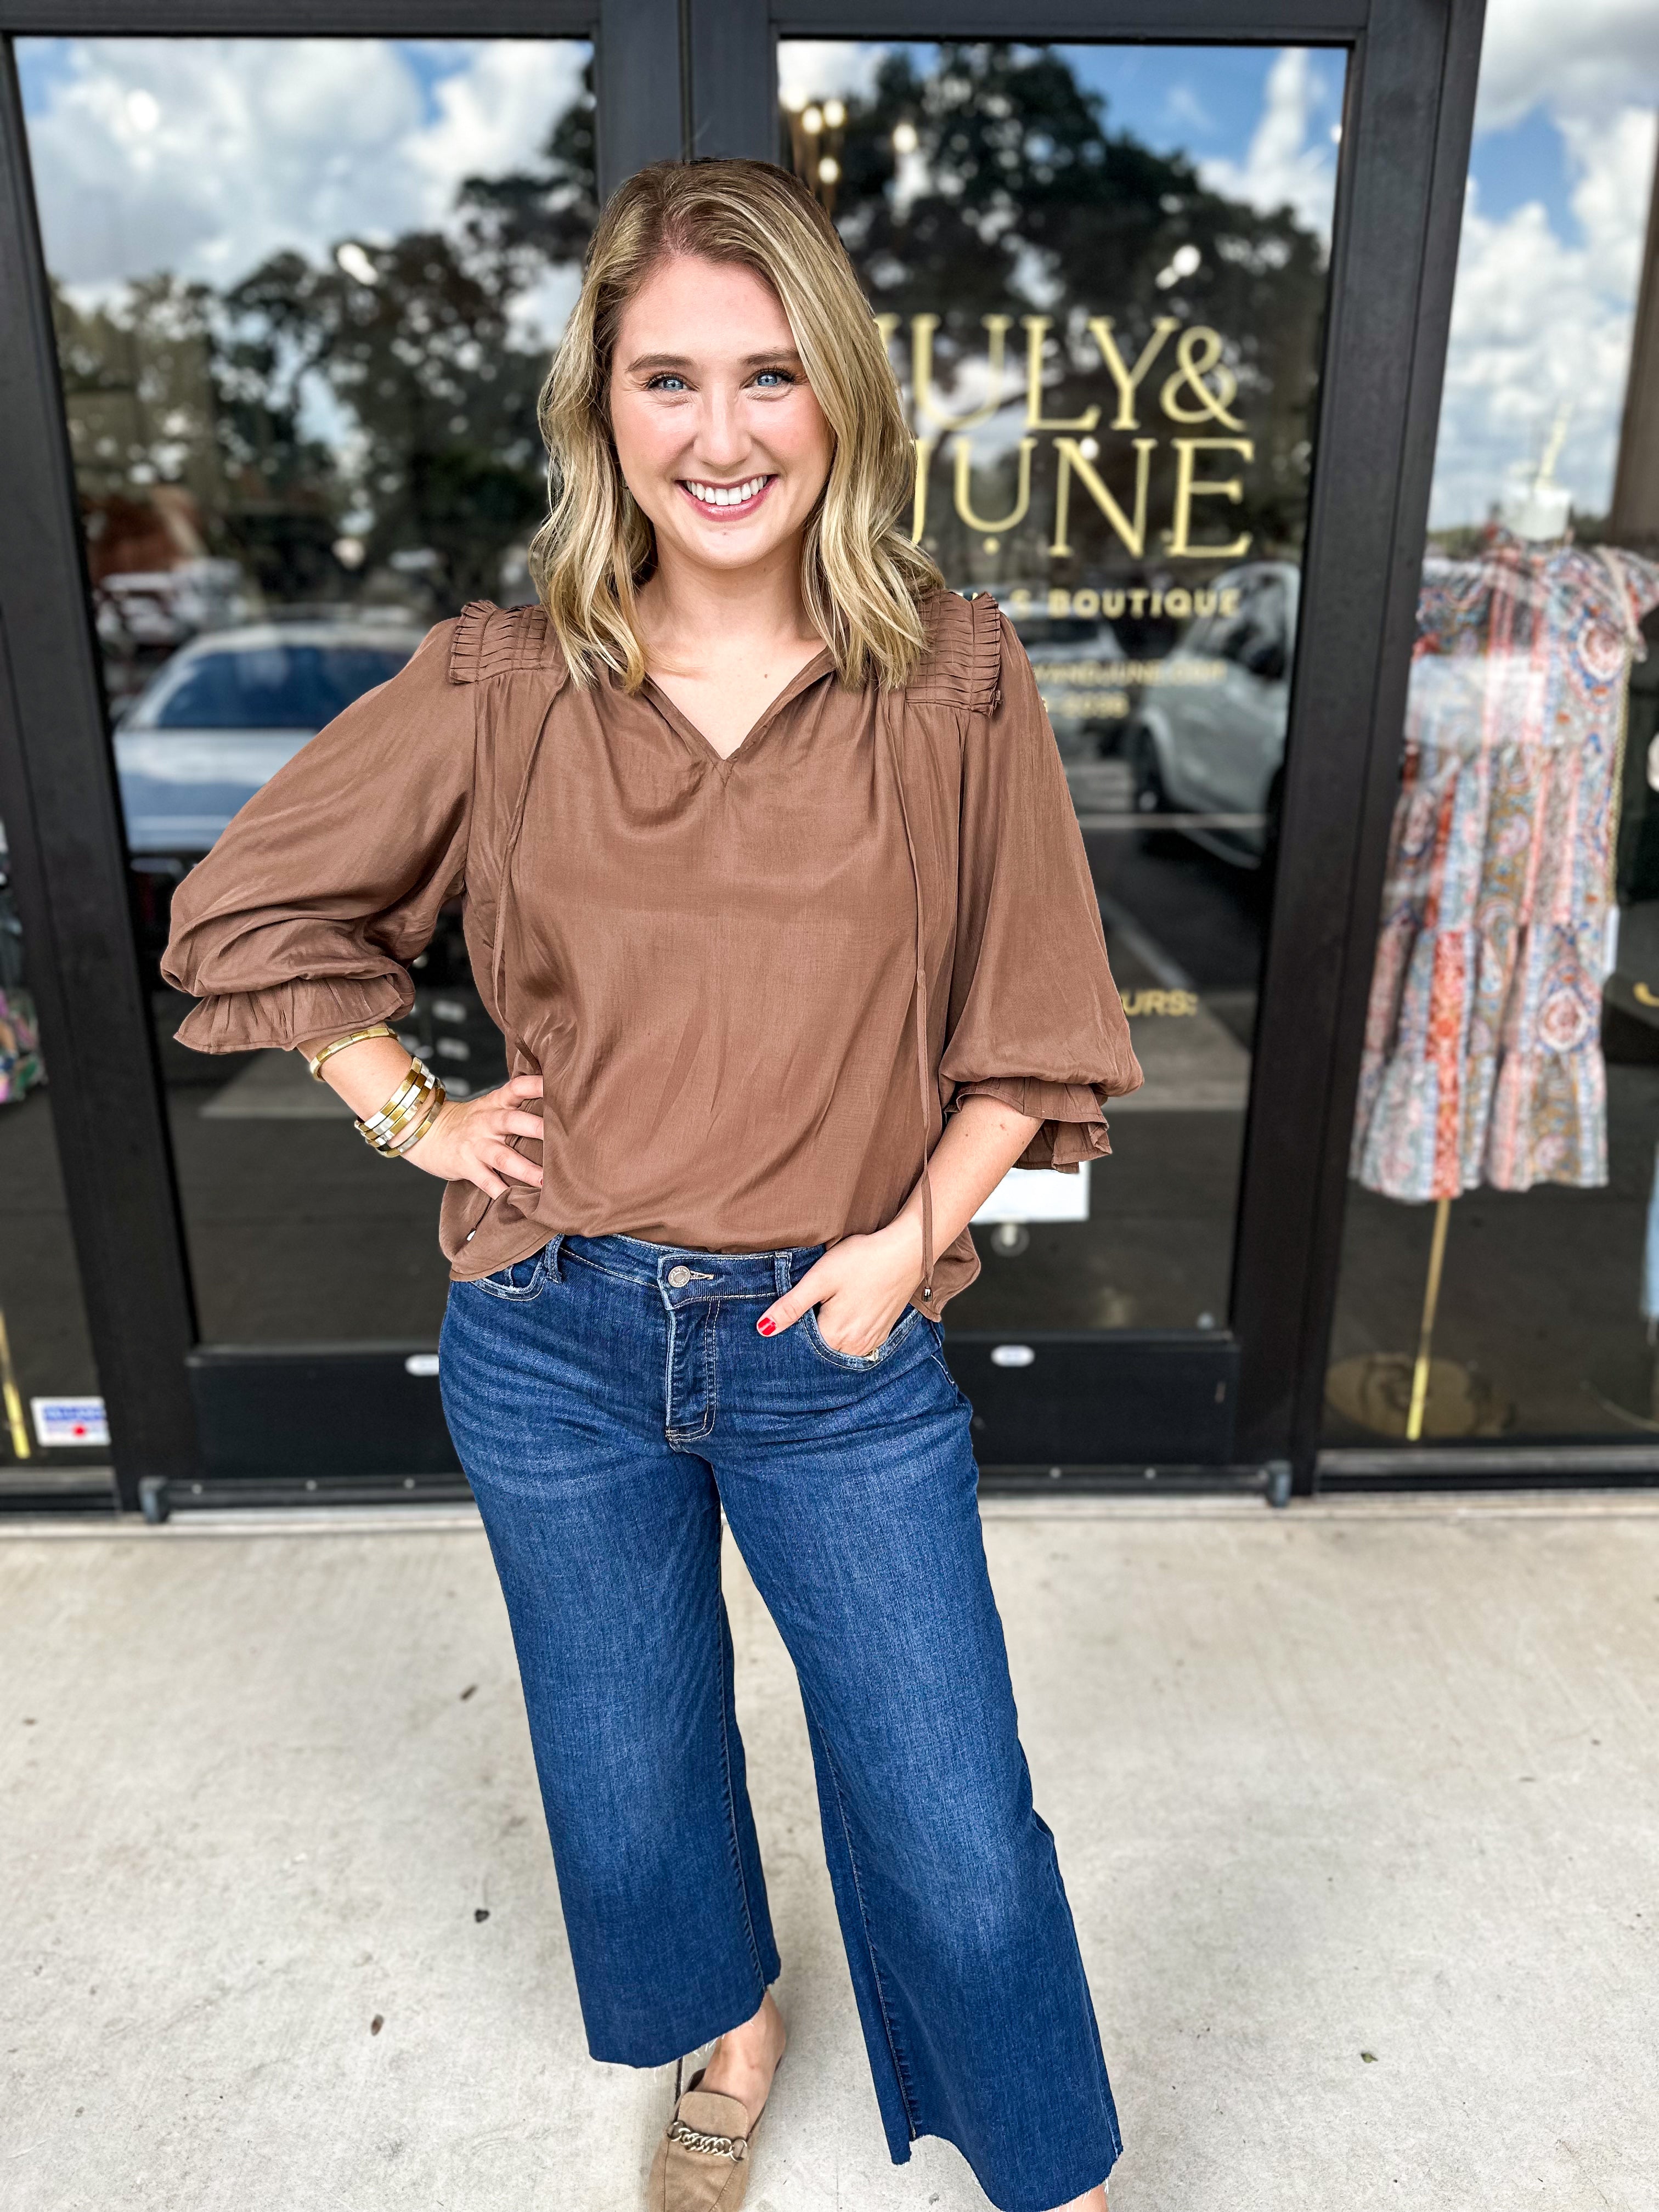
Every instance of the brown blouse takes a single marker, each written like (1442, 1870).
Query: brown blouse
(753, 987)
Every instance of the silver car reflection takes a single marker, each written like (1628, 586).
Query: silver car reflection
(1078, 661)
(226, 713)
(1208, 740)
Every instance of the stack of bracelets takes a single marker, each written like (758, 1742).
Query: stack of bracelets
(407, 1115)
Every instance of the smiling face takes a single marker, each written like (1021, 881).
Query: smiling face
(718, 435)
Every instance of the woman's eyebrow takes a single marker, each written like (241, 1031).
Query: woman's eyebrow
(645, 361)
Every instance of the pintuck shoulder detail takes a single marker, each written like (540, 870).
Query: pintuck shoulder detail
(490, 640)
(963, 665)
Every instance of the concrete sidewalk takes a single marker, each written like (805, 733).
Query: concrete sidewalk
(1358, 1808)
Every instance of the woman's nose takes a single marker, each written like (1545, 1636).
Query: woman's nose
(723, 439)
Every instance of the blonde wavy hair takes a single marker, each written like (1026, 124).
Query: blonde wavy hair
(861, 577)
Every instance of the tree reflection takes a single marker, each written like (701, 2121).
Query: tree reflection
(988, 182)
(360, 426)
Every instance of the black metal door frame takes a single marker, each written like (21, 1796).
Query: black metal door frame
(673, 75)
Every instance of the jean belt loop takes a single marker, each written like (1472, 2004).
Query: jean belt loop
(554, 1244)
(783, 1270)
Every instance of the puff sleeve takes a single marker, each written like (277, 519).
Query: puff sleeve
(301, 922)
(1035, 1018)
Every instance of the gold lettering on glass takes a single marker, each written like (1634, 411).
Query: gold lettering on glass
(1212, 406)
(918, 512)
(964, 452)
(1036, 330)
(1198, 389)
(1073, 461)
(1188, 488)
(1128, 381)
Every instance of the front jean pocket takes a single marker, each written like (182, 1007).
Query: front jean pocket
(524, 1280)
(936, 1352)
(858, 1362)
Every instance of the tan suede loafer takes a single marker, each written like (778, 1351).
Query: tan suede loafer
(702, 2161)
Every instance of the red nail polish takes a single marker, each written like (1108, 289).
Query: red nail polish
(766, 1325)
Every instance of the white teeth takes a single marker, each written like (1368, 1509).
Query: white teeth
(726, 494)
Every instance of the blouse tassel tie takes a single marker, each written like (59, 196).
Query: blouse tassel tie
(887, 711)
(503, 886)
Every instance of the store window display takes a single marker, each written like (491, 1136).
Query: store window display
(1501, 1267)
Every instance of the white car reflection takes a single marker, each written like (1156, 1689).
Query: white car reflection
(1078, 661)
(1074, 660)
(225, 713)
(1217, 747)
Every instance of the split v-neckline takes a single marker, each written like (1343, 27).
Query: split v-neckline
(681, 722)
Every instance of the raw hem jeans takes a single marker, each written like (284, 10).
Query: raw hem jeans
(607, 1398)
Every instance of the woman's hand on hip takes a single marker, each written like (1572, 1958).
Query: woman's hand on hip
(468, 1140)
(860, 1287)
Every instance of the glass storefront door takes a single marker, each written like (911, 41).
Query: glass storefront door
(304, 294)
(1103, 273)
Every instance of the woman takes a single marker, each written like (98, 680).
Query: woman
(773, 888)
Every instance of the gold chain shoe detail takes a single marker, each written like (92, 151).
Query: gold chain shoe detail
(703, 2162)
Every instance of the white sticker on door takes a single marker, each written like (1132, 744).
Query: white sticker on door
(68, 1421)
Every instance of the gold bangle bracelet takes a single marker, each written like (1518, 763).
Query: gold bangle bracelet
(407, 1144)
(387, 1133)
(413, 1130)
(396, 1127)
(388, 1140)
(399, 1110)
(418, 1077)
(389, 1145)
(357, 1036)
(407, 1114)
(410, 1076)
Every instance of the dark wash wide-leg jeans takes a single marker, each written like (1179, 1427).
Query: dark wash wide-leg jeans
(607, 1397)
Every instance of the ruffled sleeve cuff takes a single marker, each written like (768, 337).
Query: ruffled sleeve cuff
(1074, 1127)
(284, 1015)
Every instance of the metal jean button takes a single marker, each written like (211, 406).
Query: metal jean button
(679, 1277)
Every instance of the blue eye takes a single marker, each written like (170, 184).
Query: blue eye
(667, 378)
(775, 377)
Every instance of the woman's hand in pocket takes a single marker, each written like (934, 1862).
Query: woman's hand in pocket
(469, 1139)
(860, 1287)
